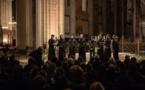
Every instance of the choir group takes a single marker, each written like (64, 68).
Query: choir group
(102, 46)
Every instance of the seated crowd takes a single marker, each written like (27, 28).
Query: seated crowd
(71, 74)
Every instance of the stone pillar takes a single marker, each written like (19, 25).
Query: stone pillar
(134, 19)
(119, 18)
(122, 18)
(105, 17)
(29, 27)
(24, 33)
(61, 16)
(138, 19)
(0, 15)
(47, 20)
(72, 17)
(44, 17)
(6, 13)
(21, 24)
(78, 17)
(115, 16)
(109, 17)
(38, 24)
(125, 19)
(90, 11)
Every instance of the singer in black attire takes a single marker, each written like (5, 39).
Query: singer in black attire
(72, 43)
(115, 46)
(92, 47)
(82, 47)
(61, 43)
(107, 47)
(51, 51)
(100, 43)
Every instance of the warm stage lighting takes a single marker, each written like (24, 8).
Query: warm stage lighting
(4, 27)
(5, 40)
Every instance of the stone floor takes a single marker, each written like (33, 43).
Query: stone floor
(24, 59)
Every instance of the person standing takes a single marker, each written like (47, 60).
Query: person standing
(82, 47)
(51, 52)
(72, 43)
(100, 43)
(115, 47)
(107, 47)
(61, 44)
(92, 46)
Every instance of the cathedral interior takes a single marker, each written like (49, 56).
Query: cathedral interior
(31, 22)
(72, 44)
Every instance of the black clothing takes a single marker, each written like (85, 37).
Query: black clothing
(115, 46)
(92, 48)
(100, 51)
(51, 51)
(107, 48)
(72, 43)
(82, 48)
(61, 44)
(37, 55)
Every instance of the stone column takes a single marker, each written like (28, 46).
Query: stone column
(79, 17)
(90, 11)
(115, 16)
(61, 16)
(119, 18)
(9, 13)
(24, 33)
(123, 17)
(0, 15)
(108, 17)
(44, 17)
(134, 19)
(72, 16)
(38, 24)
(138, 20)
(6, 13)
(21, 24)
(29, 27)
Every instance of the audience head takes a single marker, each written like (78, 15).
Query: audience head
(39, 83)
(34, 71)
(127, 57)
(58, 63)
(97, 57)
(92, 59)
(31, 60)
(40, 49)
(89, 67)
(43, 74)
(132, 67)
(76, 73)
(12, 58)
(45, 66)
(96, 86)
(133, 60)
(18, 72)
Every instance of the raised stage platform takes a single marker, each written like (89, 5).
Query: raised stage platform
(24, 59)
